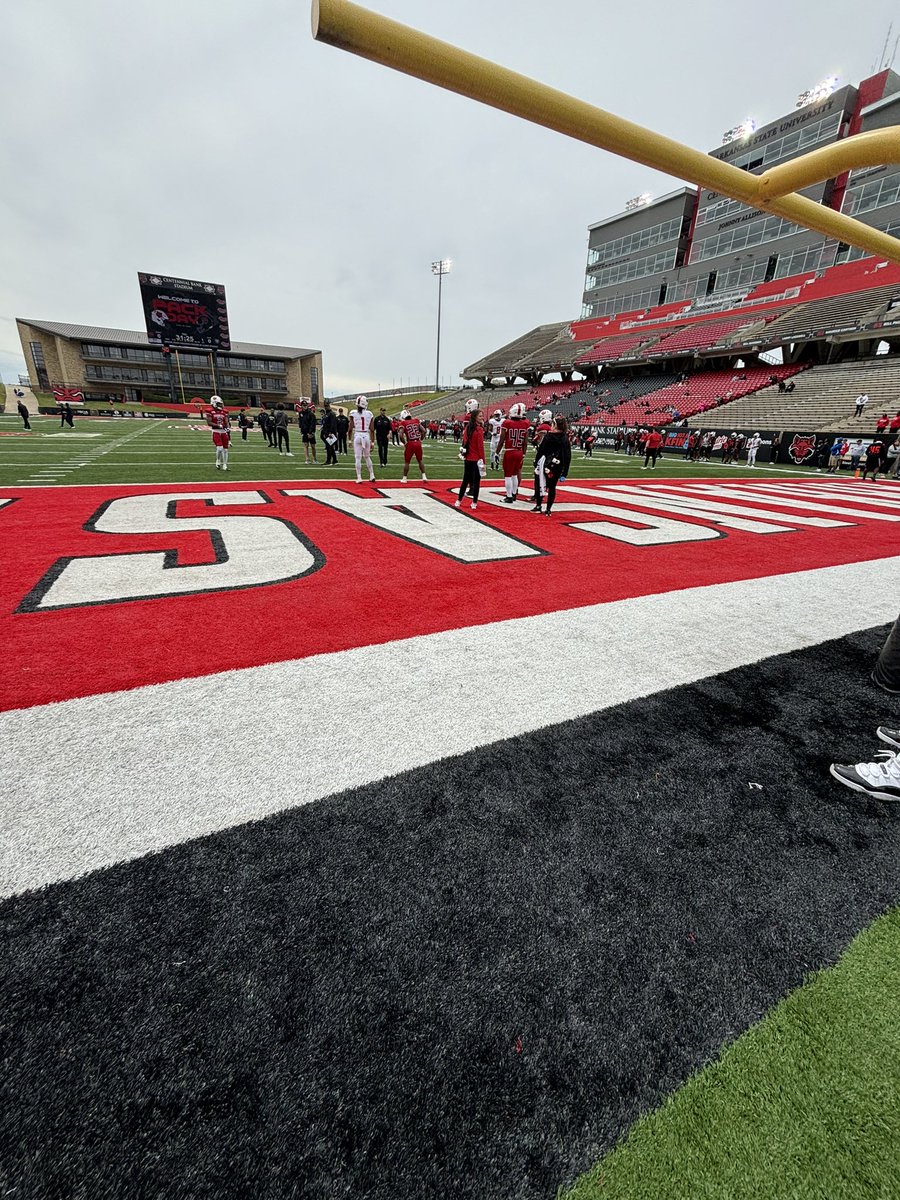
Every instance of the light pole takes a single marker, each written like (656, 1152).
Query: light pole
(440, 268)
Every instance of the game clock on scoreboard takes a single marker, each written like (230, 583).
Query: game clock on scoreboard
(184, 312)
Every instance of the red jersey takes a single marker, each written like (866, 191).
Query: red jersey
(654, 441)
(412, 430)
(895, 424)
(540, 431)
(514, 433)
(881, 424)
(218, 420)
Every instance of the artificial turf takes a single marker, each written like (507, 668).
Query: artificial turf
(127, 450)
(470, 979)
(805, 1105)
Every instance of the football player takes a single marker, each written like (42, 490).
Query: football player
(513, 441)
(494, 429)
(411, 434)
(362, 439)
(219, 423)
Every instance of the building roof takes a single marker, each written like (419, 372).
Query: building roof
(129, 337)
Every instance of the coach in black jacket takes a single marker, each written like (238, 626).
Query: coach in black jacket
(382, 427)
(329, 430)
(554, 457)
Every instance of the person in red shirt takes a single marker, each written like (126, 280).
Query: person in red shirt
(218, 421)
(395, 432)
(651, 448)
(895, 422)
(411, 433)
(472, 454)
(514, 433)
(882, 423)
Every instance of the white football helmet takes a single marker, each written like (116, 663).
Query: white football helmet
(517, 411)
(471, 406)
(216, 402)
(546, 414)
(362, 402)
(498, 412)
(404, 415)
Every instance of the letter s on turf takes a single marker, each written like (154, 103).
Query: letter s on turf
(248, 551)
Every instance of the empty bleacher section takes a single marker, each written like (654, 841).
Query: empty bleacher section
(830, 315)
(503, 363)
(610, 349)
(702, 335)
(823, 399)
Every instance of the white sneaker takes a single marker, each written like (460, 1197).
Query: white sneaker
(288, 454)
(358, 480)
(224, 466)
(425, 477)
(218, 466)
(403, 479)
(457, 504)
(474, 506)
(881, 780)
(372, 479)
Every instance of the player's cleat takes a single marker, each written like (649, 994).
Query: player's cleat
(890, 736)
(425, 477)
(548, 513)
(537, 508)
(474, 506)
(457, 503)
(509, 499)
(288, 454)
(371, 479)
(881, 780)
(403, 479)
(358, 480)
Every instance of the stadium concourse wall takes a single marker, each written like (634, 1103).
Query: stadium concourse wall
(797, 447)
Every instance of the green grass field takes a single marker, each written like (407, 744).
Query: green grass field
(115, 451)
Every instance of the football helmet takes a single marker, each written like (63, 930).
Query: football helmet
(362, 402)
(471, 406)
(517, 411)
(498, 412)
(216, 402)
(546, 414)
(404, 415)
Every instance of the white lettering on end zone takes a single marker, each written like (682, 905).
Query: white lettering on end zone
(417, 516)
(250, 551)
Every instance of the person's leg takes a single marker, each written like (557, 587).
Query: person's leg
(367, 451)
(357, 456)
(887, 668)
(420, 460)
(287, 445)
(475, 483)
(225, 454)
(646, 461)
(551, 493)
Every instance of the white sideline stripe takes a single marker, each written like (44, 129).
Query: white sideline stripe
(90, 782)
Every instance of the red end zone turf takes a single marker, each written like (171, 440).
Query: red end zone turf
(107, 588)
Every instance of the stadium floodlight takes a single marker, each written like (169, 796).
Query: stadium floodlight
(823, 89)
(638, 201)
(350, 27)
(439, 268)
(740, 131)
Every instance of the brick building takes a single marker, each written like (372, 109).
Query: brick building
(119, 364)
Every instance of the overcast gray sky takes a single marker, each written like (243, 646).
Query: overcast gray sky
(214, 139)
